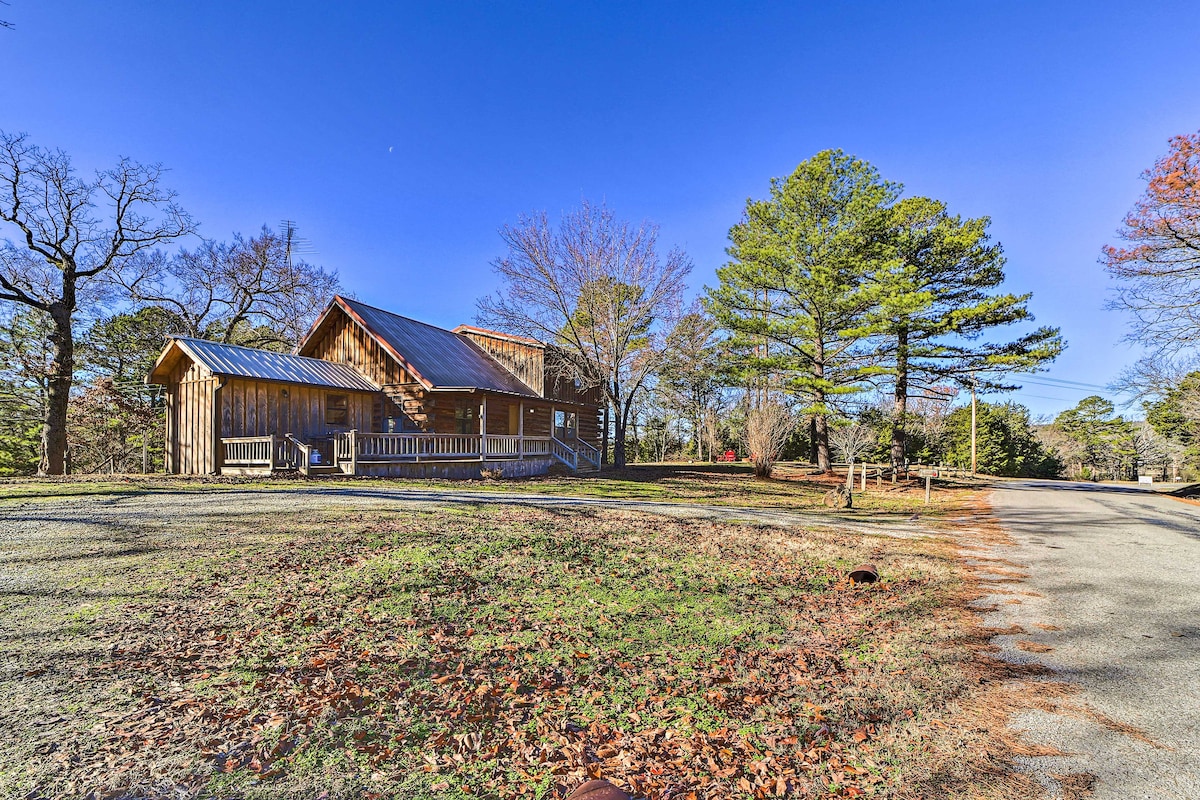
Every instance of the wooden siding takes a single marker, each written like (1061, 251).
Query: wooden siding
(343, 341)
(523, 360)
(190, 446)
(261, 408)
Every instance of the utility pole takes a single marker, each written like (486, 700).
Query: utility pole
(973, 460)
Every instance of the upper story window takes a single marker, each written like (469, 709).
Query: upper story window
(337, 409)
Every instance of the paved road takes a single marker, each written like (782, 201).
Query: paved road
(1118, 570)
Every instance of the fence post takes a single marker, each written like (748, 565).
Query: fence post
(271, 454)
(353, 439)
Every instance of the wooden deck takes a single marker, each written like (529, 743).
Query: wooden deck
(355, 453)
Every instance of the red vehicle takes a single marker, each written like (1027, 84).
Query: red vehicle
(728, 455)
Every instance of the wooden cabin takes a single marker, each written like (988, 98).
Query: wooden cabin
(368, 392)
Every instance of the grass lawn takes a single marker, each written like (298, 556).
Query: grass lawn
(475, 651)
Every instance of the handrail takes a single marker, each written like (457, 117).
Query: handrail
(563, 453)
(304, 450)
(589, 453)
(346, 449)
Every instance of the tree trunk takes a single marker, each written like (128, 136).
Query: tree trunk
(812, 439)
(62, 372)
(821, 429)
(822, 438)
(900, 401)
(621, 411)
(604, 440)
(619, 427)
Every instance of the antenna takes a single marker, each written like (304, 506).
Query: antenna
(293, 242)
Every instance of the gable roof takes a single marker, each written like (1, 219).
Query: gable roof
(265, 365)
(438, 358)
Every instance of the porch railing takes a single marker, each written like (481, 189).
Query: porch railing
(248, 451)
(296, 453)
(421, 446)
(345, 450)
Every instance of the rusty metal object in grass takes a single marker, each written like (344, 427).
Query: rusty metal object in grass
(864, 573)
(597, 790)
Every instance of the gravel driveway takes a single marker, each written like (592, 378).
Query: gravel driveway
(197, 504)
(1118, 571)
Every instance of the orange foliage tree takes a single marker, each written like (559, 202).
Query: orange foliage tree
(1158, 265)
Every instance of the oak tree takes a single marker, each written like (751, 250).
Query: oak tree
(68, 234)
(597, 290)
(253, 292)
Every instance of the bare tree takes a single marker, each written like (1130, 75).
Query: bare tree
(595, 289)
(64, 245)
(251, 292)
(851, 439)
(768, 426)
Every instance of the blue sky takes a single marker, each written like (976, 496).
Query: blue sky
(400, 137)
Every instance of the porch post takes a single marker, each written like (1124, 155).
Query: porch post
(353, 438)
(271, 457)
(483, 429)
(521, 429)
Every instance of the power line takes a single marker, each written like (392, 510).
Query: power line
(1064, 382)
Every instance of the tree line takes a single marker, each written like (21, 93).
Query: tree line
(846, 320)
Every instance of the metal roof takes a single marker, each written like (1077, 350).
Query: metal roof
(446, 360)
(511, 337)
(265, 365)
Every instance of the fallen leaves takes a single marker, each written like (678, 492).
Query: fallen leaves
(494, 655)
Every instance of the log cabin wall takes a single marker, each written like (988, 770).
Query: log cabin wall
(526, 361)
(344, 341)
(589, 426)
(441, 408)
(560, 385)
(539, 421)
(502, 411)
(260, 408)
(191, 444)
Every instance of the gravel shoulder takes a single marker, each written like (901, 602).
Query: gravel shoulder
(1111, 604)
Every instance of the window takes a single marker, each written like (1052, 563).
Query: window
(464, 418)
(400, 424)
(564, 425)
(337, 409)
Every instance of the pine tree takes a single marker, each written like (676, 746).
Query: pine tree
(936, 303)
(796, 293)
